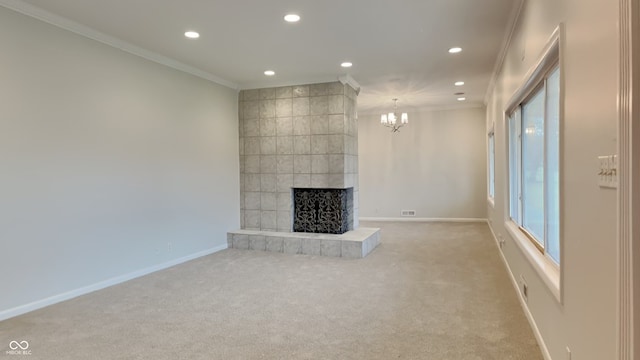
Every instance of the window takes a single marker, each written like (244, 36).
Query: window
(492, 165)
(533, 133)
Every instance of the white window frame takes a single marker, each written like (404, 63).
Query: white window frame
(549, 271)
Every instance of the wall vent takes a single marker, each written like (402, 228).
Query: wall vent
(408, 213)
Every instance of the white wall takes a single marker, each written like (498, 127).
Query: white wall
(586, 320)
(436, 165)
(109, 163)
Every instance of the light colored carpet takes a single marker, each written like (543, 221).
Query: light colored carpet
(429, 291)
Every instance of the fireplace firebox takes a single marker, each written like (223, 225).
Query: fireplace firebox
(327, 211)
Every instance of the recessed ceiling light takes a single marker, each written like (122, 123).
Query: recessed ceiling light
(462, 98)
(269, 72)
(455, 50)
(292, 18)
(346, 64)
(459, 83)
(192, 34)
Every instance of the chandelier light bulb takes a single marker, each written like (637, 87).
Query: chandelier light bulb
(392, 118)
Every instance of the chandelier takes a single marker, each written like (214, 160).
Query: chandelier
(390, 120)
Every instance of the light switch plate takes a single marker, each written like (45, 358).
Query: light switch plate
(608, 171)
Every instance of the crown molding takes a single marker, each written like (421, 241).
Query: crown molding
(504, 48)
(344, 79)
(348, 80)
(69, 25)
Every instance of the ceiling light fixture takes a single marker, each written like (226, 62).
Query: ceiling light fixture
(462, 98)
(192, 34)
(269, 72)
(346, 64)
(390, 120)
(292, 18)
(459, 83)
(455, 50)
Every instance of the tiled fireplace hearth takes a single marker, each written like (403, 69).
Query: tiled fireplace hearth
(353, 244)
(300, 142)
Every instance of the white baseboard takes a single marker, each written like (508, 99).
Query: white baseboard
(523, 303)
(23, 309)
(414, 219)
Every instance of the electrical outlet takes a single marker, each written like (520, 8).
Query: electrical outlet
(501, 241)
(169, 246)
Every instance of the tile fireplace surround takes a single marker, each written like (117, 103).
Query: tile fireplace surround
(302, 136)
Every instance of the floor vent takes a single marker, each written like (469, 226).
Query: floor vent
(408, 213)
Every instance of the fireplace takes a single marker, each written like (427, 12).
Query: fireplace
(299, 171)
(328, 211)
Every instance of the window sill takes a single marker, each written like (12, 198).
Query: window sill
(546, 269)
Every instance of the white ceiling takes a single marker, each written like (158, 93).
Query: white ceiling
(398, 48)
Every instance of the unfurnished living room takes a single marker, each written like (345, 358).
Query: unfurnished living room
(354, 179)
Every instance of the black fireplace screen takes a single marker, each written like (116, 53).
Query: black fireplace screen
(328, 211)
